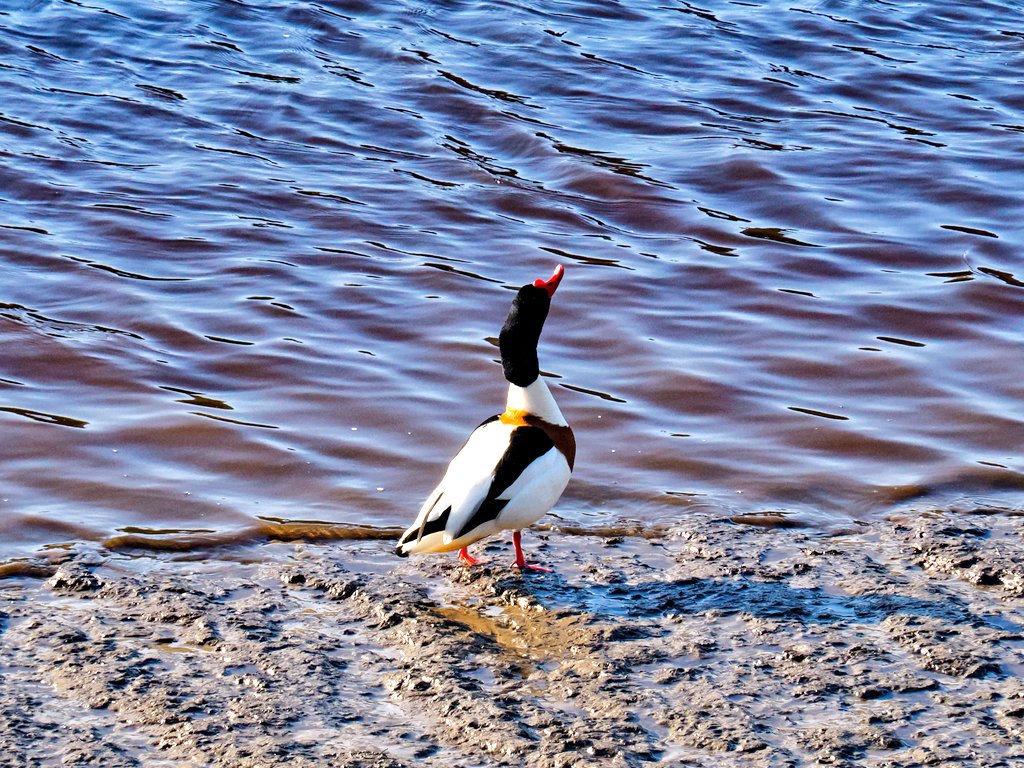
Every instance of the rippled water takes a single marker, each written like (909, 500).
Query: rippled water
(255, 256)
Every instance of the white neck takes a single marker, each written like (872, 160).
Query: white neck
(535, 399)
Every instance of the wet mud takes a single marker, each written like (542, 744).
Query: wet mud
(899, 643)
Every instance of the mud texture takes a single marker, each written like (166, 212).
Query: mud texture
(894, 644)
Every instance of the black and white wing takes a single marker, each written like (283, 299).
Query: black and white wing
(506, 476)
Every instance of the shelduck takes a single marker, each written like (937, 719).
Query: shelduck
(515, 465)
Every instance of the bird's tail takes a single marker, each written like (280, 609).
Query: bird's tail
(428, 536)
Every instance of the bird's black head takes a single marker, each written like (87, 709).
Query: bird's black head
(521, 332)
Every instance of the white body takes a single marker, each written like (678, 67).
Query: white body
(469, 475)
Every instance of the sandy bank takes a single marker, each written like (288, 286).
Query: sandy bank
(897, 644)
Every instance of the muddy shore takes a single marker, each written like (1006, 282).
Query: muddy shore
(899, 643)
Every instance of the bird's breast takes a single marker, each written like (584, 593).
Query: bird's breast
(561, 435)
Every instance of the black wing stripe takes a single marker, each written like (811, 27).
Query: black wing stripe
(489, 509)
(435, 525)
(526, 445)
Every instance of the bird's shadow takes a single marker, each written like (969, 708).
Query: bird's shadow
(776, 600)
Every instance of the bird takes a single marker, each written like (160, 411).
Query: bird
(516, 464)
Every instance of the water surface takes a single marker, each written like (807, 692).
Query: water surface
(254, 256)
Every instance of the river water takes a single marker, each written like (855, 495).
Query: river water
(254, 257)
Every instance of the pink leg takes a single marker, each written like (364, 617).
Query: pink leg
(467, 558)
(520, 561)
